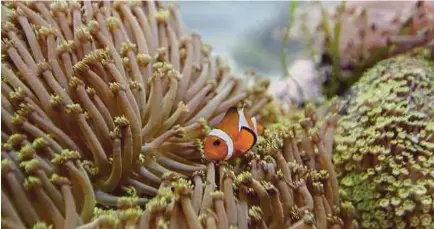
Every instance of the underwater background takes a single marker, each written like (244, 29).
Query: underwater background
(106, 107)
(229, 25)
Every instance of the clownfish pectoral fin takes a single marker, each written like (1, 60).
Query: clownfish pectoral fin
(246, 140)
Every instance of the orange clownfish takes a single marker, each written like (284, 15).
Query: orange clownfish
(236, 134)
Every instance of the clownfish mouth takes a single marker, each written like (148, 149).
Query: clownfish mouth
(214, 156)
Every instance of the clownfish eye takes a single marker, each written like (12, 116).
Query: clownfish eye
(216, 142)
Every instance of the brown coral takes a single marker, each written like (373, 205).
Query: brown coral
(103, 97)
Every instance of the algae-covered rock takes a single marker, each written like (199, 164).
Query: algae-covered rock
(385, 144)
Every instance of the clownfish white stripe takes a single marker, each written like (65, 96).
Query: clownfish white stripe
(243, 121)
(255, 125)
(225, 137)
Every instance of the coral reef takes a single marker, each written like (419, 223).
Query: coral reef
(385, 144)
(101, 98)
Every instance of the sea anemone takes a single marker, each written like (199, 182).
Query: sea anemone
(384, 144)
(101, 98)
(287, 181)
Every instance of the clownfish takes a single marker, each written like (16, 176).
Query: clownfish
(235, 135)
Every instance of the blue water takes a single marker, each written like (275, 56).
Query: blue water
(228, 25)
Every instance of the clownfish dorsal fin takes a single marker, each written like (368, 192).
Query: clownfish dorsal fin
(232, 110)
(229, 123)
(245, 141)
